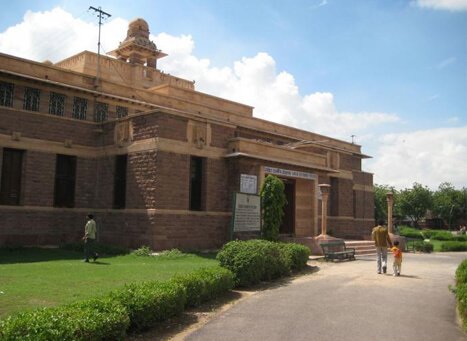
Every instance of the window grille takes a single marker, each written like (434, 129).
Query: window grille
(122, 111)
(80, 106)
(6, 94)
(57, 104)
(100, 112)
(31, 99)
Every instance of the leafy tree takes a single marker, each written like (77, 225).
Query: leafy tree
(381, 204)
(272, 203)
(449, 203)
(414, 202)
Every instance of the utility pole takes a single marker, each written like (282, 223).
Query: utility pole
(101, 13)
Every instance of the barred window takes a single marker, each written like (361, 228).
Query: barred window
(57, 104)
(80, 106)
(31, 99)
(100, 112)
(122, 111)
(6, 94)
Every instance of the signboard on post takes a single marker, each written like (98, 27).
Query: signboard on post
(246, 215)
(248, 183)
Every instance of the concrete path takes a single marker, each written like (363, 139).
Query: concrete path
(349, 301)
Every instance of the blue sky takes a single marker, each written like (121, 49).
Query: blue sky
(391, 72)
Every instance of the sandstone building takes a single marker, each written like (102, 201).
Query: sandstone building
(154, 160)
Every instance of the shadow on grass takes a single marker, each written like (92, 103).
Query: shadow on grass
(33, 254)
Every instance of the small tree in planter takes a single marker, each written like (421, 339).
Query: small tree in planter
(272, 203)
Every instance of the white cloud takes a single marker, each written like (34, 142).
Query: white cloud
(429, 157)
(56, 34)
(256, 81)
(445, 63)
(450, 5)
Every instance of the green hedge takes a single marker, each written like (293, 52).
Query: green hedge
(298, 254)
(461, 291)
(97, 319)
(410, 232)
(453, 246)
(423, 246)
(253, 261)
(205, 284)
(150, 302)
(441, 235)
(134, 307)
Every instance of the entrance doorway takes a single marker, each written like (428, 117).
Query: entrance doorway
(288, 220)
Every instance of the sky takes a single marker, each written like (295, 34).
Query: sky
(389, 75)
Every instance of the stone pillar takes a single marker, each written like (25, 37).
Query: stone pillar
(390, 201)
(324, 188)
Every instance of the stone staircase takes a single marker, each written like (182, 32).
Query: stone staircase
(362, 247)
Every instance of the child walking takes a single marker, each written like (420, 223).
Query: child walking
(397, 258)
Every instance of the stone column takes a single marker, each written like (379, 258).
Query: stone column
(390, 201)
(324, 188)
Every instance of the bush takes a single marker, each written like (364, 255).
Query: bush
(150, 302)
(410, 232)
(97, 319)
(174, 253)
(273, 201)
(205, 284)
(441, 235)
(453, 246)
(423, 246)
(461, 291)
(253, 261)
(460, 238)
(143, 251)
(298, 255)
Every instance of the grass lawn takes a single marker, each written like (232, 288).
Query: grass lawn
(31, 278)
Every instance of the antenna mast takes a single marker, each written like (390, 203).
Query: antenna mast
(100, 14)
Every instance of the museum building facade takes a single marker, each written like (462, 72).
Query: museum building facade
(155, 161)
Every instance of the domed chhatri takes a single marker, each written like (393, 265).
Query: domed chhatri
(137, 48)
(138, 28)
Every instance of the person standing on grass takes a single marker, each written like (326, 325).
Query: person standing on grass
(397, 253)
(382, 241)
(90, 239)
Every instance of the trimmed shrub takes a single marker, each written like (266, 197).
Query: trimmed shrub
(441, 235)
(245, 262)
(453, 246)
(97, 319)
(460, 238)
(150, 302)
(410, 232)
(461, 291)
(297, 253)
(205, 284)
(255, 260)
(423, 246)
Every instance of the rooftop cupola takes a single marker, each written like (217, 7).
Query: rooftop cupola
(137, 48)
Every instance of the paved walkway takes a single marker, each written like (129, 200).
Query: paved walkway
(349, 301)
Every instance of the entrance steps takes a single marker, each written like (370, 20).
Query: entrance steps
(362, 247)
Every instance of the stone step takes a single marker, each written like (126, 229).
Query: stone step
(362, 247)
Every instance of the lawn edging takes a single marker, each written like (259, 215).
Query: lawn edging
(135, 307)
(461, 292)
